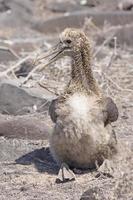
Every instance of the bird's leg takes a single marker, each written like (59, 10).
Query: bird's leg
(106, 169)
(65, 174)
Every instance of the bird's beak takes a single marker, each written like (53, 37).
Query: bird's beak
(53, 54)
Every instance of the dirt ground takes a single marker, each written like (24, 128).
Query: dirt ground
(27, 170)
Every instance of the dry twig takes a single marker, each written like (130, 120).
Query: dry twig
(102, 45)
(39, 67)
(12, 68)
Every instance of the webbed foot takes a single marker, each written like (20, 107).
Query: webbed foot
(65, 174)
(106, 169)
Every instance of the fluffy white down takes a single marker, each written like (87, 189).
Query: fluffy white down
(80, 105)
(84, 112)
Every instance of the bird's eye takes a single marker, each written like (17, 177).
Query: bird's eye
(68, 41)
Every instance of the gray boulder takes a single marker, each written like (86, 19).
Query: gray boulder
(15, 100)
(33, 127)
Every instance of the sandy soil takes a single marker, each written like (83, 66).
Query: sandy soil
(27, 170)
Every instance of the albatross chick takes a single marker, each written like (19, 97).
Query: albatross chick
(82, 135)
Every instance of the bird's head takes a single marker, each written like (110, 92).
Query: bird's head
(71, 42)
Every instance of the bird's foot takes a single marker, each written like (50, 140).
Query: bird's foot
(106, 169)
(65, 174)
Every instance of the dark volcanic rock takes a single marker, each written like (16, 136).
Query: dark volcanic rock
(35, 127)
(126, 5)
(124, 35)
(16, 101)
(65, 7)
(90, 3)
(77, 19)
(6, 55)
(93, 194)
(3, 6)
(24, 69)
(16, 13)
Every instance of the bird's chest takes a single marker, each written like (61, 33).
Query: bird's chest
(82, 107)
(80, 119)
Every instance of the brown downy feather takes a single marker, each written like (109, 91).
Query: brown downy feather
(82, 134)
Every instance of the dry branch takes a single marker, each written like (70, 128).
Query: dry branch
(102, 45)
(39, 67)
(12, 68)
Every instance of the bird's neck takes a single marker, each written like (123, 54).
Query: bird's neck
(82, 76)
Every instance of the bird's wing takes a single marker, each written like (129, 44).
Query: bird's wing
(110, 111)
(52, 110)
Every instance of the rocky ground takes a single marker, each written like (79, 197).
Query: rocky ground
(28, 29)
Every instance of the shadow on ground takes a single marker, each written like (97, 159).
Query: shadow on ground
(42, 160)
